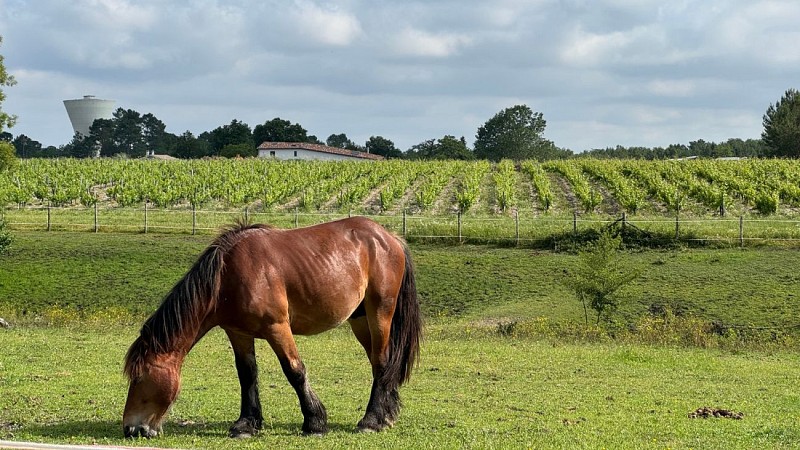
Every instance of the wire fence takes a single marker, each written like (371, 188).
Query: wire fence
(512, 229)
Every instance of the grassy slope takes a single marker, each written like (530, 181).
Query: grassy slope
(84, 271)
(65, 385)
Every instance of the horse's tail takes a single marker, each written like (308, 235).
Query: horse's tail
(181, 312)
(406, 330)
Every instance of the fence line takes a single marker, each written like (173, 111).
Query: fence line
(512, 229)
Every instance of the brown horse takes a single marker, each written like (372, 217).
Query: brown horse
(260, 282)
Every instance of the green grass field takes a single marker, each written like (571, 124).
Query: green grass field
(77, 299)
(64, 385)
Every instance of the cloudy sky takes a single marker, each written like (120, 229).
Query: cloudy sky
(603, 72)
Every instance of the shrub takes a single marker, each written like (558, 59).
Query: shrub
(600, 274)
(5, 237)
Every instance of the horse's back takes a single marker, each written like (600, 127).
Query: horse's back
(313, 277)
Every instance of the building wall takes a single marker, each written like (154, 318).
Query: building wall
(289, 154)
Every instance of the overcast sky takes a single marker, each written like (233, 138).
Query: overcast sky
(603, 72)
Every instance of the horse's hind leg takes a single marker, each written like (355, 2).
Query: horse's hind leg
(250, 418)
(360, 328)
(315, 418)
(384, 400)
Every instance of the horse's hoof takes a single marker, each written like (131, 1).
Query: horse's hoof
(242, 430)
(315, 428)
(240, 434)
(317, 432)
(366, 430)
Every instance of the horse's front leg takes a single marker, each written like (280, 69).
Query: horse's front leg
(315, 418)
(250, 418)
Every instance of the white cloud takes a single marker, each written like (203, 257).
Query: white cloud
(329, 26)
(413, 42)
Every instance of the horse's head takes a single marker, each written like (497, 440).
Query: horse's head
(153, 387)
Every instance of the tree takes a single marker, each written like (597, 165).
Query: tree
(448, 147)
(128, 132)
(6, 120)
(101, 134)
(513, 133)
(27, 147)
(188, 146)
(8, 156)
(238, 150)
(379, 145)
(154, 132)
(600, 274)
(236, 132)
(79, 147)
(339, 141)
(279, 130)
(782, 126)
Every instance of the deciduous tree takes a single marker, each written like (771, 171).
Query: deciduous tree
(235, 133)
(6, 120)
(379, 145)
(514, 133)
(7, 152)
(280, 130)
(339, 141)
(447, 147)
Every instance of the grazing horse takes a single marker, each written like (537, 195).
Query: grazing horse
(255, 281)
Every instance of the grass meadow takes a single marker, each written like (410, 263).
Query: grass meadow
(507, 361)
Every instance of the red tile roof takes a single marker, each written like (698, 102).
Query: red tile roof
(317, 148)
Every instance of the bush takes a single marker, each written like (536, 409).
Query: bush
(600, 274)
(5, 237)
(8, 156)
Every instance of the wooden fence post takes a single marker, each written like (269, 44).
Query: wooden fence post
(145, 216)
(741, 231)
(48, 216)
(194, 219)
(296, 218)
(677, 225)
(575, 222)
(404, 223)
(95, 218)
(516, 225)
(460, 237)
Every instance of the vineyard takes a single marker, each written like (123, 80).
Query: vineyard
(695, 188)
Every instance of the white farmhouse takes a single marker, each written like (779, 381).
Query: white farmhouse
(302, 150)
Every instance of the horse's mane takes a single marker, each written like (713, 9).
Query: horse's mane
(183, 309)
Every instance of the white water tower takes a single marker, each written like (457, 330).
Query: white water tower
(84, 111)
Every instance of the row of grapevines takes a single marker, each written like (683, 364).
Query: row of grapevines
(651, 178)
(680, 174)
(588, 197)
(404, 175)
(469, 188)
(625, 190)
(434, 183)
(541, 183)
(505, 184)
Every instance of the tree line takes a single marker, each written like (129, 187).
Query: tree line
(514, 133)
